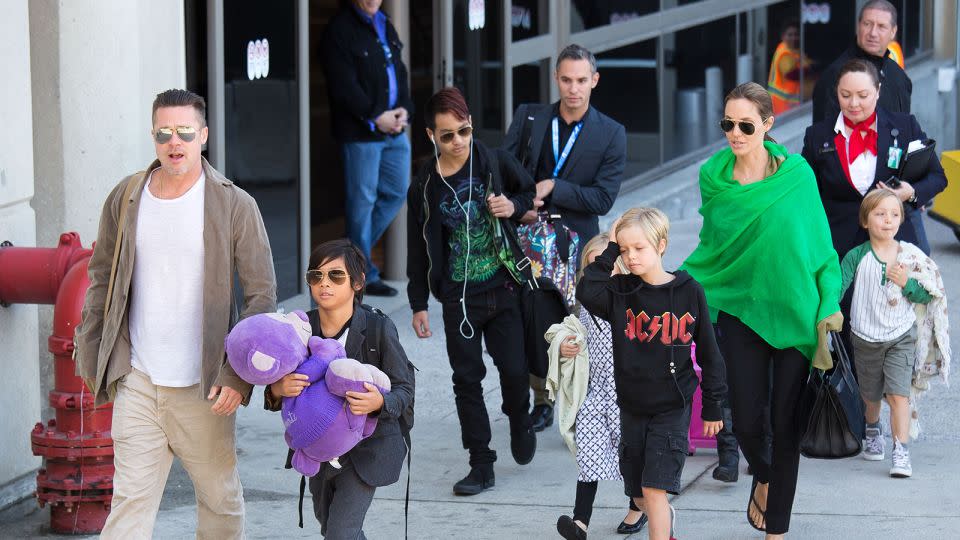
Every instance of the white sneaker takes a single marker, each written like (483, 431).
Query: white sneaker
(901, 461)
(873, 449)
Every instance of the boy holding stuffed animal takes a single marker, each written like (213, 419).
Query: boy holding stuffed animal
(341, 496)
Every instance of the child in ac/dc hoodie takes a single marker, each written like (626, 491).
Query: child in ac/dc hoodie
(655, 317)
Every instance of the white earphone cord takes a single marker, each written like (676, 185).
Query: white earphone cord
(466, 217)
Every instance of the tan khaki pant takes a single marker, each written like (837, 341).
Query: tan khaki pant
(539, 387)
(151, 425)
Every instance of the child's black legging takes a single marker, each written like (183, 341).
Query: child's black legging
(583, 506)
(760, 375)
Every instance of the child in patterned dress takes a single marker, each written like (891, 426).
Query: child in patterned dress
(598, 421)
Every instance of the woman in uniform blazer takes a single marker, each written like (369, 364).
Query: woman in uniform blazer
(873, 138)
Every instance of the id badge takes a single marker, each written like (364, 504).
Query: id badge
(894, 154)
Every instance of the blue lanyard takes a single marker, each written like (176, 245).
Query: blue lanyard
(559, 158)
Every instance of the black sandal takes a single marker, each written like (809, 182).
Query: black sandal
(753, 501)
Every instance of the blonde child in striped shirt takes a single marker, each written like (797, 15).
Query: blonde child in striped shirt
(883, 325)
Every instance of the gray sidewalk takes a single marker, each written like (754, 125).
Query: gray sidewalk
(849, 498)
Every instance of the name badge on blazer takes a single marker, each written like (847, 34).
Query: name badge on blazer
(826, 149)
(894, 153)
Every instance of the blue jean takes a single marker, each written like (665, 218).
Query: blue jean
(377, 176)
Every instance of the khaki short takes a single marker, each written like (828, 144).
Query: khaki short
(885, 368)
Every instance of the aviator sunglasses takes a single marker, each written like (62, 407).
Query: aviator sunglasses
(164, 134)
(747, 128)
(315, 277)
(463, 132)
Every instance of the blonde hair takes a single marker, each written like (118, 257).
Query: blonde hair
(873, 200)
(654, 224)
(597, 243)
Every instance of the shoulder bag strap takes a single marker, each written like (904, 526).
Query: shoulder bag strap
(124, 206)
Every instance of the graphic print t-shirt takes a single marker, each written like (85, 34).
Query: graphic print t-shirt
(481, 267)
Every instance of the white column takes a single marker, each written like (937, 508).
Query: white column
(20, 399)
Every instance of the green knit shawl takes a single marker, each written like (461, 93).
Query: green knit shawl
(765, 253)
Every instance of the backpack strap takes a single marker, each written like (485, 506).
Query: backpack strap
(303, 486)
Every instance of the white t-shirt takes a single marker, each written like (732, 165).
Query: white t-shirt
(879, 312)
(864, 168)
(166, 294)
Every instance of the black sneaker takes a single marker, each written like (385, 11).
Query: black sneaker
(523, 445)
(542, 417)
(726, 474)
(479, 479)
(379, 288)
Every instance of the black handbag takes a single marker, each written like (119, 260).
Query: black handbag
(833, 427)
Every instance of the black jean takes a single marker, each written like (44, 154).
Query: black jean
(761, 376)
(495, 315)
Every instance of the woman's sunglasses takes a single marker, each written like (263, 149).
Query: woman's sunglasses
(315, 277)
(746, 128)
(164, 134)
(463, 132)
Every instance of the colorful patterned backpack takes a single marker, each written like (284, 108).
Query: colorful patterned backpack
(553, 250)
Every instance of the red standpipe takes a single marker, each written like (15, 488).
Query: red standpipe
(77, 475)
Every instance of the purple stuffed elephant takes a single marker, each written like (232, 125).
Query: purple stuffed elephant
(263, 348)
(319, 424)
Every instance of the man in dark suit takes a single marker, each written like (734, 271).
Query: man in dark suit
(876, 28)
(577, 155)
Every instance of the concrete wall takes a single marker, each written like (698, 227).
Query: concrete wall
(20, 398)
(95, 67)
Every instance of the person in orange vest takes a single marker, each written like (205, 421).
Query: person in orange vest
(785, 68)
(896, 53)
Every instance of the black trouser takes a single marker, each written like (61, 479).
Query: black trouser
(495, 315)
(761, 376)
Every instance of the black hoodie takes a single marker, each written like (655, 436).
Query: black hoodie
(651, 358)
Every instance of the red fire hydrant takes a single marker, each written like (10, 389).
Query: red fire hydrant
(76, 479)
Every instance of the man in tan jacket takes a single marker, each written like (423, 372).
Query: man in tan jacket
(160, 302)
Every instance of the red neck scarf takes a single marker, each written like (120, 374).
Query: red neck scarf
(858, 142)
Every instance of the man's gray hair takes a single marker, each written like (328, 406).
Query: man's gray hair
(576, 52)
(882, 5)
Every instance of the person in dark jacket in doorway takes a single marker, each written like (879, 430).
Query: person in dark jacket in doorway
(370, 107)
(876, 28)
(655, 317)
(462, 208)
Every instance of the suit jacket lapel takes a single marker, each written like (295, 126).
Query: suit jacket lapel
(540, 122)
(884, 141)
(358, 328)
(575, 153)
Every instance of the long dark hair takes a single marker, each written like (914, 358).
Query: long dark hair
(758, 95)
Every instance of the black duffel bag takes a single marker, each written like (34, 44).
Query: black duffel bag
(833, 410)
(541, 305)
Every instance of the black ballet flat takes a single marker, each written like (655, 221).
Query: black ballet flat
(630, 528)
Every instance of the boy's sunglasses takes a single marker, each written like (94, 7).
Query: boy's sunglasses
(746, 128)
(315, 277)
(164, 134)
(463, 132)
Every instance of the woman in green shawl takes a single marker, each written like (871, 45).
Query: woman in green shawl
(771, 276)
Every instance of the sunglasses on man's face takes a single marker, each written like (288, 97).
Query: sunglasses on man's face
(337, 277)
(747, 128)
(464, 132)
(164, 134)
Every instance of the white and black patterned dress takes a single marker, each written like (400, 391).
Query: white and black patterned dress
(598, 419)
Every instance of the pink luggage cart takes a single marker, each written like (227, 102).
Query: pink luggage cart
(697, 440)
